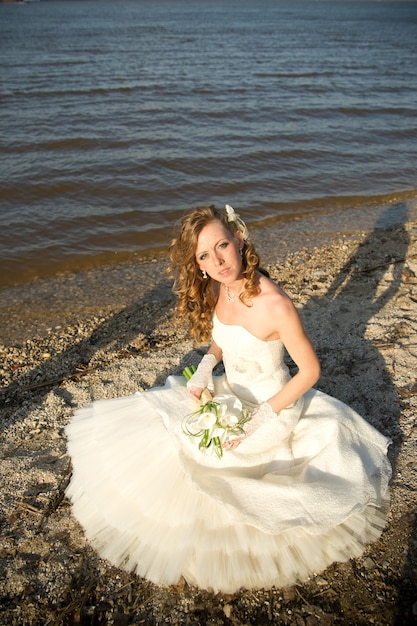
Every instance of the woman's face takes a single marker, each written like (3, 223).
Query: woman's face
(218, 252)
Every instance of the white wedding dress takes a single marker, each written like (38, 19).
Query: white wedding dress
(306, 489)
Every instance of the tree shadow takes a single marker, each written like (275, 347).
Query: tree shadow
(118, 334)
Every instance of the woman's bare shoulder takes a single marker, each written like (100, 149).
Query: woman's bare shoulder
(272, 295)
(273, 308)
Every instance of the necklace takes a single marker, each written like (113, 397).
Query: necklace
(230, 298)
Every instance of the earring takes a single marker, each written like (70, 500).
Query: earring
(204, 273)
(241, 251)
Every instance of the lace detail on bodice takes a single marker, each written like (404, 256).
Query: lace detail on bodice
(255, 369)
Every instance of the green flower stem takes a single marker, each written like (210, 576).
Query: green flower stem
(204, 443)
(187, 372)
(217, 443)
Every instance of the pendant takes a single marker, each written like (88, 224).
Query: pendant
(229, 298)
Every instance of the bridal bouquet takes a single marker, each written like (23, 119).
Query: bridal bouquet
(218, 422)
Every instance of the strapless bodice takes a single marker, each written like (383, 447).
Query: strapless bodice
(255, 369)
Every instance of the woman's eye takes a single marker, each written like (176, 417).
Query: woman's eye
(224, 244)
(203, 257)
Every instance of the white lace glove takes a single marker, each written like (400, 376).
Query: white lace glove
(263, 413)
(203, 376)
(285, 422)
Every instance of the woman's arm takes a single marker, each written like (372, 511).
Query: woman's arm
(203, 378)
(216, 351)
(298, 345)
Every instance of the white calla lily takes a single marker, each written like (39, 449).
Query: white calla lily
(218, 425)
(207, 420)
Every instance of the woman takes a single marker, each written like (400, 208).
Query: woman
(241, 296)
(298, 481)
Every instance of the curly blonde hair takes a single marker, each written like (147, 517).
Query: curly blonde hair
(197, 296)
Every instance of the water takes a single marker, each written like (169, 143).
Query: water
(117, 117)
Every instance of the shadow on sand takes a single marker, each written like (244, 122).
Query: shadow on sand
(353, 367)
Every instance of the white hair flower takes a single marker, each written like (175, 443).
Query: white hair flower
(232, 216)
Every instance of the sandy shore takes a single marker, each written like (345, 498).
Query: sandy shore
(109, 332)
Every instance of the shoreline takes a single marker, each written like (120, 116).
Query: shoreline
(36, 307)
(32, 265)
(357, 294)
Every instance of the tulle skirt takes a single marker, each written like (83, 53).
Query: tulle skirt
(270, 513)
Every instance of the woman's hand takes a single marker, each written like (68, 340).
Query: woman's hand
(203, 376)
(231, 444)
(196, 391)
(262, 414)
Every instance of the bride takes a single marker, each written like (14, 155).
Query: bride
(298, 482)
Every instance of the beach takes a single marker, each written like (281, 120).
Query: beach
(108, 332)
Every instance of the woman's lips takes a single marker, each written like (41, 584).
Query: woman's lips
(225, 272)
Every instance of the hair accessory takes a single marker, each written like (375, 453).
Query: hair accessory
(232, 216)
(204, 273)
